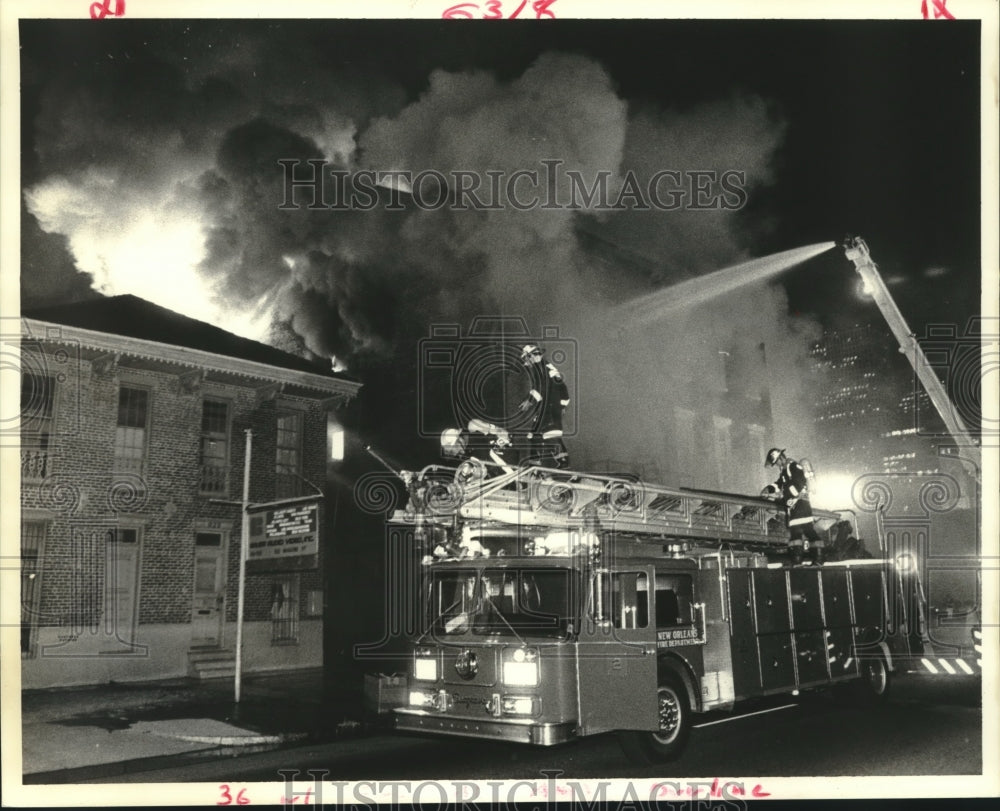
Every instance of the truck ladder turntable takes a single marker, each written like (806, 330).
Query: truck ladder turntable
(531, 498)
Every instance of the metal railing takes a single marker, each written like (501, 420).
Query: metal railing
(285, 622)
(34, 464)
(214, 479)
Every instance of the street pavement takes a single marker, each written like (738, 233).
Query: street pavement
(82, 733)
(189, 731)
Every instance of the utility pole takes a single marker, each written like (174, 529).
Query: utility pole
(244, 540)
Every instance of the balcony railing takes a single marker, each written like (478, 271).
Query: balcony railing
(214, 479)
(34, 464)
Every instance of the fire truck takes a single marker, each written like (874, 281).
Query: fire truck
(562, 604)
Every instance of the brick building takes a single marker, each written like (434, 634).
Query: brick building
(133, 430)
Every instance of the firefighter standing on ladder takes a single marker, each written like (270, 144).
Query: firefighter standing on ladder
(547, 400)
(792, 489)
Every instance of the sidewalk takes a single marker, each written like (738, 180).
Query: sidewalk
(103, 729)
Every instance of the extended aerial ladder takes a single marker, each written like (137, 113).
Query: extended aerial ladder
(857, 251)
(968, 449)
(531, 499)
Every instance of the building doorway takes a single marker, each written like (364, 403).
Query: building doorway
(121, 586)
(209, 596)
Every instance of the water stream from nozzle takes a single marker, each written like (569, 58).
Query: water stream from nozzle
(691, 292)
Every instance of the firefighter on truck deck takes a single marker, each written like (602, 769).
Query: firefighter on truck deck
(547, 400)
(792, 490)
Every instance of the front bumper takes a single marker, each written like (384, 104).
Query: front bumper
(515, 730)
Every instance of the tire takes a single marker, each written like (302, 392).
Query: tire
(873, 686)
(675, 726)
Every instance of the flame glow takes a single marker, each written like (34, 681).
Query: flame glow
(149, 246)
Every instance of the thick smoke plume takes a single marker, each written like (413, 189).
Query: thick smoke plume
(183, 195)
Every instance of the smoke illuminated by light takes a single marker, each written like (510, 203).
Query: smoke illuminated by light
(149, 246)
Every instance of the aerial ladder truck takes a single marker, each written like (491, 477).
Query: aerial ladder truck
(559, 604)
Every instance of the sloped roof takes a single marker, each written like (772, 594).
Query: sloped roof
(133, 317)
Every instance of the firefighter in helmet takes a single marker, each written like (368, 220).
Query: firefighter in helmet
(546, 402)
(480, 440)
(792, 490)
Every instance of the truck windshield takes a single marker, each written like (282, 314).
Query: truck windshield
(528, 602)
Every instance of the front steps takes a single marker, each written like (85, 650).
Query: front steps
(211, 663)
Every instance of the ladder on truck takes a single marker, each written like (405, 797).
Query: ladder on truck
(533, 497)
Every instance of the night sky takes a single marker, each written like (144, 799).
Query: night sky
(149, 166)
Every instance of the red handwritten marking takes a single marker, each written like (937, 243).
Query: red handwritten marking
(459, 12)
(296, 797)
(493, 10)
(940, 8)
(727, 790)
(518, 10)
(541, 9)
(227, 797)
(98, 11)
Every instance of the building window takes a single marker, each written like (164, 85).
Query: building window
(131, 431)
(32, 544)
(215, 447)
(288, 461)
(37, 417)
(726, 370)
(285, 610)
(723, 451)
(334, 439)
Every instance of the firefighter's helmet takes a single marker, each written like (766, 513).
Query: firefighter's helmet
(530, 349)
(452, 442)
(773, 456)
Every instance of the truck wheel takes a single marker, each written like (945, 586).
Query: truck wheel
(675, 726)
(873, 687)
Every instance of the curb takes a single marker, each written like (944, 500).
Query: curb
(237, 740)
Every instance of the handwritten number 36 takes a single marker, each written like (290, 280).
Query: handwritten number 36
(227, 797)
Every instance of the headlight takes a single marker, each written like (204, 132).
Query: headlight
(522, 674)
(425, 669)
(418, 698)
